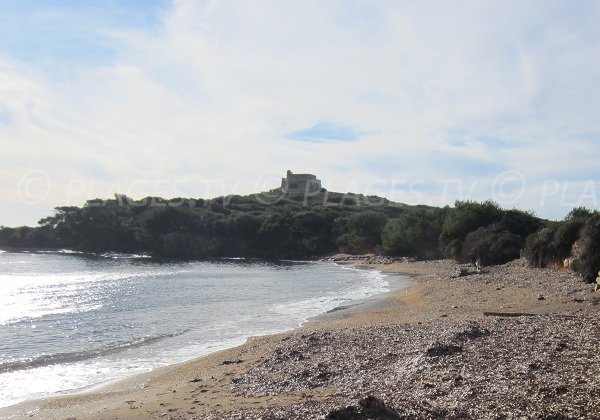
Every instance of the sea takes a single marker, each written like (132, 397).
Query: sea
(70, 320)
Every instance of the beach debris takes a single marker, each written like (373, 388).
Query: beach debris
(131, 404)
(541, 297)
(232, 362)
(460, 272)
(508, 314)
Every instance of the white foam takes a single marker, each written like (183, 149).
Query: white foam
(374, 283)
(60, 251)
(121, 256)
(81, 291)
(69, 251)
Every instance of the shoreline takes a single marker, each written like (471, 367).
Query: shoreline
(432, 349)
(136, 380)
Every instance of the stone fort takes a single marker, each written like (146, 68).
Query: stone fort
(300, 183)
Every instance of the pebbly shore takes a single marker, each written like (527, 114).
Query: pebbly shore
(532, 354)
(504, 343)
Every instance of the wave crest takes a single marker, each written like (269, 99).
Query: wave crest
(80, 356)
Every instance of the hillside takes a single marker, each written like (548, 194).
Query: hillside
(271, 225)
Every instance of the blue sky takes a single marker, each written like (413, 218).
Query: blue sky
(60, 37)
(422, 102)
(324, 132)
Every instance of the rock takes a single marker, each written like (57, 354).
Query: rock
(348, 413)
(375, 408)
(440, 349)
(369, 408)
(460, 272)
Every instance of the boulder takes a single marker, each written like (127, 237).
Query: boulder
(368, 408)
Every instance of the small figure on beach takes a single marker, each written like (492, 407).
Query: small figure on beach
(478, 264)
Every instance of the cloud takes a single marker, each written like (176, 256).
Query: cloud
(203, 98)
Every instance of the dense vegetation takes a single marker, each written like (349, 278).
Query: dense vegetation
(295, 226)
(257, 225)
(576, 239)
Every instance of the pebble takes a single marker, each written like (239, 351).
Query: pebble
(413, 369)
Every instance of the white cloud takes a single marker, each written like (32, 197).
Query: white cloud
(204, 105)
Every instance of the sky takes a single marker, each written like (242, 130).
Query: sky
(422, 102)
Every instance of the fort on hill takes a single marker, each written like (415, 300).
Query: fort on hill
(300, 183)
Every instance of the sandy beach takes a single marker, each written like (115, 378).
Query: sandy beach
(509, 342)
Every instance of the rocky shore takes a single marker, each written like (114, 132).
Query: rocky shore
(533, 367)
(368, 259)
(508, 342)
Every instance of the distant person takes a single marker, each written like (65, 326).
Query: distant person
(478, 264)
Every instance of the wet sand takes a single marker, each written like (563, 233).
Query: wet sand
(511, 341)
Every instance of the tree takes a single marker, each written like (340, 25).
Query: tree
(538, 247)
(362, 231)
(465, 217)
(587, 263)
(414, 233)
(491, 245)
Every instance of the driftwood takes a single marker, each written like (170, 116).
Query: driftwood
(509, 314)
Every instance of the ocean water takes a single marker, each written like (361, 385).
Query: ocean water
(69, 320)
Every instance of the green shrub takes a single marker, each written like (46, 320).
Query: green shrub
(538, 247)
(491, 245)
(554, 243)
(363, 231)
(466, 217)
(522, 223)
(414, 233)
(565, 236)
(588, 262)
